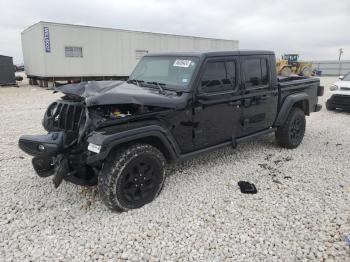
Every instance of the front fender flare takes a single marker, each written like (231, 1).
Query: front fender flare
(109, 141)
(287, 105)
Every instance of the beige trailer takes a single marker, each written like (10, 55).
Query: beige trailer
(53, 51)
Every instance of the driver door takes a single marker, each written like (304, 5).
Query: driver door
(217, 107)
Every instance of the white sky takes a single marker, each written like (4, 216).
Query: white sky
(315, 29)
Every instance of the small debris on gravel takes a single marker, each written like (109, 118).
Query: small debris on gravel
(277, 161)
(197, 217)
(268, 156)
(247, 188)
(277, 181)
(288, 158)
(264, 166)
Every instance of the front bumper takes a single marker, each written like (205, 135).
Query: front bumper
(339, 101)
(53, 156)
(42, 145)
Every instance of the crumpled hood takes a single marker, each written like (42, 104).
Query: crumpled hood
(120, 92)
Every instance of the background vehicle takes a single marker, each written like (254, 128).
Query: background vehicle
(289, 64)
(340, 91)
(120, 135)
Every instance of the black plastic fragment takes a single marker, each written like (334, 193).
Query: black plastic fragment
(43, 166)
(247, 188)
(61, 172)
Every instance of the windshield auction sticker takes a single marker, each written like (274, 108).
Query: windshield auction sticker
(182, 63)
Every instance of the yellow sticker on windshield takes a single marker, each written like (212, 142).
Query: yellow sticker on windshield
(182, 63)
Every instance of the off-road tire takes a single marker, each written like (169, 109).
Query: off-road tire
(329, 107)
(287, 135)
(116, 173)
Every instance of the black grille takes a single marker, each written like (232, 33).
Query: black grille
(341, 100)
(64, 116)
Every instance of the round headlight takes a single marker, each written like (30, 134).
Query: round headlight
(333, 87)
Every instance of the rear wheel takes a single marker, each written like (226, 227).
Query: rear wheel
(291, 133)
(132, 177)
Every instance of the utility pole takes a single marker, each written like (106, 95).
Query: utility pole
(341, 51)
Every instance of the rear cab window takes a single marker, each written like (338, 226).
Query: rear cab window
(256, 72)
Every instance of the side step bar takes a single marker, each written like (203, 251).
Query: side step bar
(232, 143)
(254, 135)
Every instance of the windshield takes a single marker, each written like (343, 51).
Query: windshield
(347, 77)
(165, 70)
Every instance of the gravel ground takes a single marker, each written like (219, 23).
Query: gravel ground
(301, 211)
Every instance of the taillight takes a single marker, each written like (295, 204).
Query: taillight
(320, 90)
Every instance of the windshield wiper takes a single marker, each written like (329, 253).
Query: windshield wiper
(159, 85)
(140, 82)
(135, 81)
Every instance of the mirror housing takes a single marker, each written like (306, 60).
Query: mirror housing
(341, 77)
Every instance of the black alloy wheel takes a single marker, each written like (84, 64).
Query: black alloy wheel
(291, 133)
(140, 180)
(297, 129)
(132, 177)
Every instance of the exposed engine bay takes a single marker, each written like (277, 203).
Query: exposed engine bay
(102, 114)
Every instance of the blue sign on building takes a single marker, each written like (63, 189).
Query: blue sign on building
(47, 40)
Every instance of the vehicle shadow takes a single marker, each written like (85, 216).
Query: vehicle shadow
(216, 157)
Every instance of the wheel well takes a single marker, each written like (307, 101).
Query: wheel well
(151, 140)
(303, 105)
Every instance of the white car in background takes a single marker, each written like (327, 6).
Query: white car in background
(340, 91)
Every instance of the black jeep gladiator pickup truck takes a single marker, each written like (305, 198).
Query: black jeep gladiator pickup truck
(120, 135)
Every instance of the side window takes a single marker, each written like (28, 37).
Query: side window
(256, 72)
(218, 77)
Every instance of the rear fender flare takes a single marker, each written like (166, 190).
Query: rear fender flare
(288, 104)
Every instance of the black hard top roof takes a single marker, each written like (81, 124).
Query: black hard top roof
(214, 53)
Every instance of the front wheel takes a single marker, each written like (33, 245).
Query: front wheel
(132, 177)
(291, 133)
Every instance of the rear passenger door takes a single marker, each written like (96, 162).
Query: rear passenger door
(260, 97)
(216, 109)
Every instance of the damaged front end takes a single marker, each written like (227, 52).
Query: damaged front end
(60, 153)
(85, 108)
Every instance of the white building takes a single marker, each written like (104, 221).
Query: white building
(53, 51)
(332, 67)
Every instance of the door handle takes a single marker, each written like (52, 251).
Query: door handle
(235, 103)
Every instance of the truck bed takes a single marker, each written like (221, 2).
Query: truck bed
(299, 84)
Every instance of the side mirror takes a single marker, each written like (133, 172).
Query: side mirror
(341, 77)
